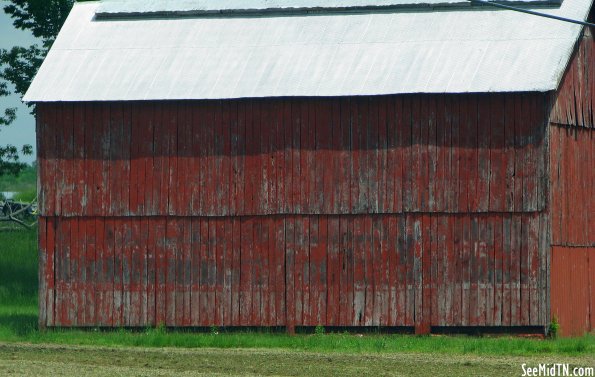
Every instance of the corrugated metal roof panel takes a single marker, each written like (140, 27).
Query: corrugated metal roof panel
(458, 51)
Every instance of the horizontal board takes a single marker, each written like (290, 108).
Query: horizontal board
(353, 155)
(365, 270)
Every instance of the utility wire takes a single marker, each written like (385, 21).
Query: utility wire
(497, 5)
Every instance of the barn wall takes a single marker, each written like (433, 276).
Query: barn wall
(394, 154)
(572, 193)
(379, 270)
(155, 212)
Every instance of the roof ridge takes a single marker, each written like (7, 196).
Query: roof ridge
(117, 9)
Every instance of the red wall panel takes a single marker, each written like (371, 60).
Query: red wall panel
(373, 211)
(573, 289)
(572, 181)
(391, 154)
(364, 270)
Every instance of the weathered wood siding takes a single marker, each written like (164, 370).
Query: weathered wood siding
(572, 181)
(382, 211)
(451, 154)
(378, 270)
(573, 289)
(572, 162)
(575, 100)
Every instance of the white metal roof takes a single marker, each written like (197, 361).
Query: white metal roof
(361, 53)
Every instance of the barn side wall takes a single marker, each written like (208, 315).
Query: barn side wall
(385, 211)
(572, 177)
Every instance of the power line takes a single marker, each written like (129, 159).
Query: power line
(497, 5)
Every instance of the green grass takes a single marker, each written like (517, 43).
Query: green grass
(26, 196)
(24, 182)
(18, 323)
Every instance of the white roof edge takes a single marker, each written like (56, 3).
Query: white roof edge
(539, 90)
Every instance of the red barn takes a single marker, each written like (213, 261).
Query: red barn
(409, 164)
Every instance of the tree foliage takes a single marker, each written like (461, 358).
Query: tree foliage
(43, 18)
(18, 65)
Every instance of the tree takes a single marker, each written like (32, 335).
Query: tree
(43, 18)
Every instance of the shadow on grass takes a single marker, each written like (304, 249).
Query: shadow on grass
(21, 325)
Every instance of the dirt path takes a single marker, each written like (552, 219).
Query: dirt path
(53, 360)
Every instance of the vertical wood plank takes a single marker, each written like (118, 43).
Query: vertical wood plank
(395, 311)
(141, 261)
(509, 150)
(499, 266)
(246, 271)
(515, 270)
(475, 246)
(507, 271)
(368, 273)
(160, 270)
(76, 307)
(174, 300)
(281, 277)
(334, 262)
(524, 254)
(196, 266)
(90, 271)
(227, 267)
(457, 162)
(359, 278)
(218, 265)
(130, 273)
(533, 269)
(484, 168)
(290, 272)
(106, 310)
(116, 255)
(236, 271)
(498, 156)
(347, 283)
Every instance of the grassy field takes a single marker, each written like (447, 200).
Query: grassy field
(154, 352)
(33, 360)
(25, 183)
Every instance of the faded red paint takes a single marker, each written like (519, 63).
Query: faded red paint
(572, 162)
(572, 189)
(294, 270)
(386, 211)
(304, 156)
(575, 99)
(573, 289)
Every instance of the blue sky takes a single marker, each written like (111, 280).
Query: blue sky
(22, 131)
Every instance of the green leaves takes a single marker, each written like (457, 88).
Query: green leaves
(9, 160)
(43, 18)
(9, 116)
(18, 65)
